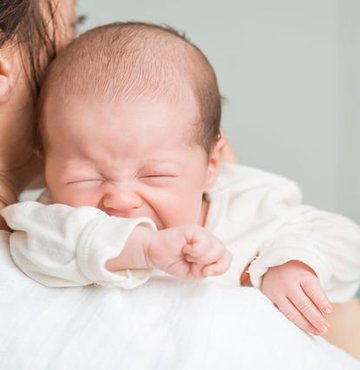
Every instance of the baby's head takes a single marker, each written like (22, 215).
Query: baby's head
(129, 123)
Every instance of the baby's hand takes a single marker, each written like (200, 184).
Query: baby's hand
(188, 251)
(295, 290)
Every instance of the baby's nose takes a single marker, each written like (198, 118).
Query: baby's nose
(122, 199)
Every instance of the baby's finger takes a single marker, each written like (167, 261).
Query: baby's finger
(312, 288)
(204, 252)
(195, 271)
(309, 311)
(292, 314)
(194, 251)
(218, 267)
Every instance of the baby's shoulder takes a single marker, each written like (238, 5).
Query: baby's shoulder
(245, 199)
(242, 179)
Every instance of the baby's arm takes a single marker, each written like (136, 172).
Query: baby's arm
(61, 246)
(188, 251)
(327, 244)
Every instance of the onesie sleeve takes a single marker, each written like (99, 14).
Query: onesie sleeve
(328, 243)
(61, 246)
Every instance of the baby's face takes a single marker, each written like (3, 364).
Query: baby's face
(127, 158)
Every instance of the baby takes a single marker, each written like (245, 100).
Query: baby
(129, 133)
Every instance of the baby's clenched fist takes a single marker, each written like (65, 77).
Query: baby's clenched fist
(188, 251)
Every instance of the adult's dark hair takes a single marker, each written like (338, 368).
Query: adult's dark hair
(26, 23)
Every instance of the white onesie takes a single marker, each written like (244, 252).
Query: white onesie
(257, 215)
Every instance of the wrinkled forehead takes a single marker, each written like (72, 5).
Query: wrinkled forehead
(73, 115)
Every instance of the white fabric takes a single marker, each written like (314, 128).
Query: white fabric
(165, 324)
(63, 246)
(258, 216)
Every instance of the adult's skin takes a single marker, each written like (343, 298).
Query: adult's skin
(31, 32)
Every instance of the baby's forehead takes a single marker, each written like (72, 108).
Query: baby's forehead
(124, 110)
(121, 126)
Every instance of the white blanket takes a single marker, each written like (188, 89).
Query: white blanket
(165, 325)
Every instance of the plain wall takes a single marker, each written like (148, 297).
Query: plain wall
(289, 70)
(349, 108)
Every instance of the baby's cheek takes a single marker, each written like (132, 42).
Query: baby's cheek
(72, 197)
(183, 214)
(84, 199)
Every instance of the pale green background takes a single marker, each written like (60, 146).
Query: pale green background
(290, 70)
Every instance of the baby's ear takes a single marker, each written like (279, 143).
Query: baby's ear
(214, 162)
(5, 80)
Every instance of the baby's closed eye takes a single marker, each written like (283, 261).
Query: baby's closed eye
(157, 178)
(86, 182)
